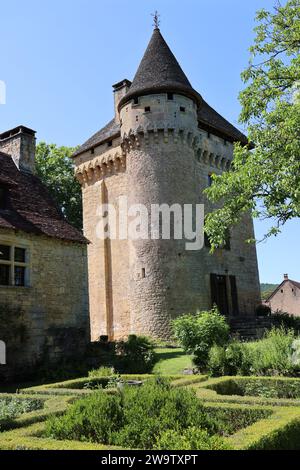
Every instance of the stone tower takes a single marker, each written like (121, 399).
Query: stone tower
(160, 149)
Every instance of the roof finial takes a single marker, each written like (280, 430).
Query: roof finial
(156, 19)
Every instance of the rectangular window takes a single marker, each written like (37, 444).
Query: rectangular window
(13, 266)
(147, 109)
(182, 109)
(170, 96)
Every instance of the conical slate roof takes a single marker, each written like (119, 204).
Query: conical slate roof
(159, 72)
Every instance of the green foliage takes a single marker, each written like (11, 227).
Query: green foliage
(229, 360)
(231, 420)
(102, 372)
(155, 408)
(190, 439)
(55, 168)
(267, 290)
(265, 181)
(14, 407)
(134, 419)
(95, 419)
(136, 355)
(287, 321)
(263, 310)
(265, 387)
(198, 333)
(272, 355)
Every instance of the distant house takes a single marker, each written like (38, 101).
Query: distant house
(286, 297)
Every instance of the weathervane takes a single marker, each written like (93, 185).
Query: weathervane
(156, 19)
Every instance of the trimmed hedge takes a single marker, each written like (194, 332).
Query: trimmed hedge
(281, 431)
(76, 386)
(256, 422)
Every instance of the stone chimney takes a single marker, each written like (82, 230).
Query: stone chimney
(19, 143)
(120, 90)
(286, 277)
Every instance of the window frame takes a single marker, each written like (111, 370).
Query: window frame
(12, 264)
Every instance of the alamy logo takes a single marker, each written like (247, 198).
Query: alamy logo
(2, 353)
(121, 221)
(2, 92)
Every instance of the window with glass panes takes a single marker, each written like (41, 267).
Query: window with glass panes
(13, 266)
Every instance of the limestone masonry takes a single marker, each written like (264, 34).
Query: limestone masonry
(161, 147)
(43, 268)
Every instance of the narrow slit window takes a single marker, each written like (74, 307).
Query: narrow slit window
(143, 273)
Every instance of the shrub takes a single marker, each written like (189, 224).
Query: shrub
(14, 407)
(272, 354)
(216, 364)
(93, 419)
(198, 333)
(276, 354)
(263, 310)
(190, 439)
(286, 321)
(134, 418)
(135, 355)
(102, 372)
(233, 359)
(157, 407)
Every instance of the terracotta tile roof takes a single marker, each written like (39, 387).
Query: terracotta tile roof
(30, 207)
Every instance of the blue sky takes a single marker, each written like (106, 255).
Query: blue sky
(60, 58)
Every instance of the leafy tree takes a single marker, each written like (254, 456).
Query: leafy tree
(265, 181)
(55, 168)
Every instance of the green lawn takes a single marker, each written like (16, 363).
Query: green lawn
(172, 361)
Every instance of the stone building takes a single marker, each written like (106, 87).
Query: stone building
(43, 269)
(285, 298)
(161, 147)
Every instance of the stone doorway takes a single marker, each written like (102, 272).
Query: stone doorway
(219, 295)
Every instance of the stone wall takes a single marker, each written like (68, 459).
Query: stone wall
(47, 320)
(162, 157)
